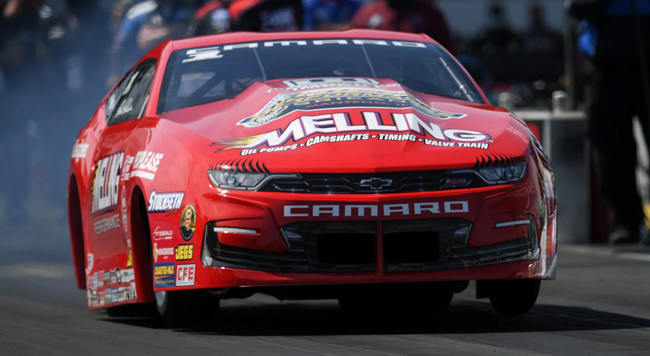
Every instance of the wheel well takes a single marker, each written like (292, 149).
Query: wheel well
(76, 233)
(141, 241)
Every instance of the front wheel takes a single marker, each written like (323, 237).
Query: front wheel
(514, 297)
(187, 307)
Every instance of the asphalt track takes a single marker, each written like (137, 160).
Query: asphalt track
(597, 306)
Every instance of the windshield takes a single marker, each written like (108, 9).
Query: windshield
(207, 74)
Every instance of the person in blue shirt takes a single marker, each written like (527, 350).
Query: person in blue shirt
(329, 15)
(146, 25)
(618, 34)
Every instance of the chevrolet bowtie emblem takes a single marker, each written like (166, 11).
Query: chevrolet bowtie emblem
(375, 183)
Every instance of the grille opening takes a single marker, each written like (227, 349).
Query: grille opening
(411, 247)
(346, 248)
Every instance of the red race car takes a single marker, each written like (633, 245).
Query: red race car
(360, 165)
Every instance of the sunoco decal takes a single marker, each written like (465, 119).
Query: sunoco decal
(339, 128)
(105, 183)
(287, 103)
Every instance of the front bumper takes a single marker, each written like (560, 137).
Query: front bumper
(319, 239)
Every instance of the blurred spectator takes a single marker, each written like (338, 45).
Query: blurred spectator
(329, 15)
(247, 15)
(618, 94)
(22, 39)
(266, 15)
(146, 25)
(213, 17)
(413, 16)
(539, 37)
(499, 36)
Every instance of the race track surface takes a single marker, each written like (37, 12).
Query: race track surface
(599, 305)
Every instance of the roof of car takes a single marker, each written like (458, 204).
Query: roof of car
(236, 37)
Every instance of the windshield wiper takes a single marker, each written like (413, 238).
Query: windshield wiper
(461, 87)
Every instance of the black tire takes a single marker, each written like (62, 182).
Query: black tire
(514, 297)
(187, 308)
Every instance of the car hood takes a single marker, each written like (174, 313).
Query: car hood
(352, 127)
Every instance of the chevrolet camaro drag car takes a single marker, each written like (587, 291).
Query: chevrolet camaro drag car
(359, 165)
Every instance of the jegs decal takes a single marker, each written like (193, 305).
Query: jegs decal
(105, 183)
(184, 252)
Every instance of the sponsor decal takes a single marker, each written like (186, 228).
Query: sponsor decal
(79, 150)
(105, 183)
(146, 164)
(126, 171)
(251, 166)
(125, 219)
(129, 261)
(164, 252)
(90, 258)
(201, 54)
(128, 275)
(385, 210)
(304, 132)
(216, 53)
(287, 103)
(159, 234)
(315, 83)
(164, 274)
(184, 252)
(188, 222)
(107, 224)
(168, 203)
(185, 275)
(95, 283)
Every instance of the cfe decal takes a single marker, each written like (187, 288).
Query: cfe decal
(105, 183)
(185, 275)
(339, 128)
(287, 103)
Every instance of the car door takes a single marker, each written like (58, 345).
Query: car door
(111, 245)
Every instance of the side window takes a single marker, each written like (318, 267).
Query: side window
(128, 100)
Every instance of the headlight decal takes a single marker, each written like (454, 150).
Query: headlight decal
(502, 174)
(242, 174)
(244, 166)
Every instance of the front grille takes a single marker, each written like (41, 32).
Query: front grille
(372, 183)
(351, 247)
(323, 247)
(418, 254)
